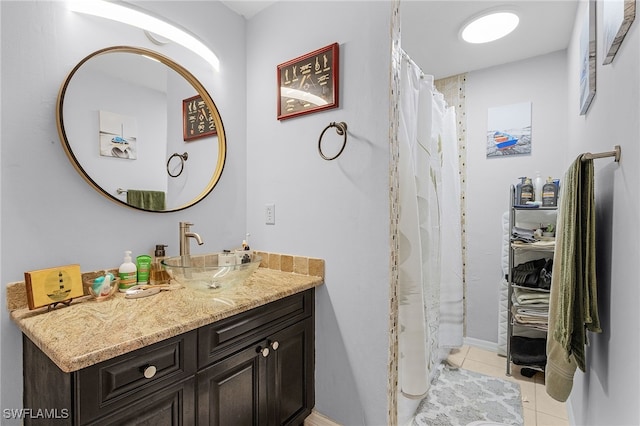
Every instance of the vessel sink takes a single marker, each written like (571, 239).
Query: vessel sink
(207, 272)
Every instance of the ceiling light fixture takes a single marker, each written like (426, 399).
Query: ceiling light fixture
(139, 19)
(489, 26)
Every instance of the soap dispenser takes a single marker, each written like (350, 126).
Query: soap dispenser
(159, 275)
(550, 194)
(128, 273)
(526, 194)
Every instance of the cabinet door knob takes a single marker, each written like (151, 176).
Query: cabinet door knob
(263, 351)
(149, 371)
(275, 345)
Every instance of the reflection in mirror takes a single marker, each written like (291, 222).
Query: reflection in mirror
(120, 119)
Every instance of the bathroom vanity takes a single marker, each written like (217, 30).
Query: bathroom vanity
(243, 357)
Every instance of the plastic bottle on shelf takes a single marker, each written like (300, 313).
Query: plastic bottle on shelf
(549, 194)
(538, 183)
(518, 192)
(526, 193)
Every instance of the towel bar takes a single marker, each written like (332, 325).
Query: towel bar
(615, 153)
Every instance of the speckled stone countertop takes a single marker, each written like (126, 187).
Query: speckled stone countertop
(88, 332)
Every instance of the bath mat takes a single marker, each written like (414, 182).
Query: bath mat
(458, 397)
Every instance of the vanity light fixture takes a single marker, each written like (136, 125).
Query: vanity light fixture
(128, 15)
(489, 26)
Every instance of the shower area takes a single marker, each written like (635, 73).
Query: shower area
(430, 174)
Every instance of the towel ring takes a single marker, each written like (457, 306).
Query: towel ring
(341, 129)
(183, 158)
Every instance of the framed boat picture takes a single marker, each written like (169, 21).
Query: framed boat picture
(308, 83)
(509, 130)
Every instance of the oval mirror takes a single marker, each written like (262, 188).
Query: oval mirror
(141, 129)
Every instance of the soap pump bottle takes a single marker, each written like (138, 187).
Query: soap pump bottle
(550, 194)
(159, 275)
(526, 194)
(128, 273)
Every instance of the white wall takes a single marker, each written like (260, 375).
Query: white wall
(609, 391)
(542, 81)
(337, 210)
(50, 216)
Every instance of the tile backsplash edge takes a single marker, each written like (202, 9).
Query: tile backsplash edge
(290, 263)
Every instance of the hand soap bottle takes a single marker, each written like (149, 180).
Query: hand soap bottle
(549, 194)
(158, 274)
(128, 273)
(526, 193)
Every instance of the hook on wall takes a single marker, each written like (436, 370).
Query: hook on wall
(183, 158)
(341, 129)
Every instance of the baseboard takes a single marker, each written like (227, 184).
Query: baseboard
(317, 419)
(482, 344)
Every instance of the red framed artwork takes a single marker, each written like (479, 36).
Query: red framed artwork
(309, 83)
(197, 121)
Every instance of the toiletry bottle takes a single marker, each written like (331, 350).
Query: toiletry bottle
(143, 264)
(538, 183)
(128, 273)
(549, 194)
(518, 193)
(526, 194)
(158, 274)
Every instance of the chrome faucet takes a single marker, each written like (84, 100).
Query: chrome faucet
(185, 234)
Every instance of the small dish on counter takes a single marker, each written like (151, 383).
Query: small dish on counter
(100, 285)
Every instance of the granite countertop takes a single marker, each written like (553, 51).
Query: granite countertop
(88, 331)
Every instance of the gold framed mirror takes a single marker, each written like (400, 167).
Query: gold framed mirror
(141, 129)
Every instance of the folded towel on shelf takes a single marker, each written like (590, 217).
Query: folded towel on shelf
(536, 312)
(522, 234)
(148, 200)
(540, 321)
(529, 297)
(573, 303)
(528, 351)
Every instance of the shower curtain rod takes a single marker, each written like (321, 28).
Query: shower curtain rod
(615, 153)
(406, 56)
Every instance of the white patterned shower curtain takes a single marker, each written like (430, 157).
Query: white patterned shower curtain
(430, 289)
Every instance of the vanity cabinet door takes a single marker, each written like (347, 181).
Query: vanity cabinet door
(291, 369)
(268, 383)
(172, 406)
(233, 391)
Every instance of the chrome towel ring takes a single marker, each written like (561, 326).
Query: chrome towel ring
(341, 129)
(183, 158)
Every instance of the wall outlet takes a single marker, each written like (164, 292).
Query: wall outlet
(270, 214)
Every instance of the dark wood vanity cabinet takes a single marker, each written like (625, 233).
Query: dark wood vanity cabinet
(267, 383)
(255, 368)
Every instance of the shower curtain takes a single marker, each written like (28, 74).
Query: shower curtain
(430, 310)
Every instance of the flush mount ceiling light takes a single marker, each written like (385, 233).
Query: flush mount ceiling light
(139, 19)
(489, 26)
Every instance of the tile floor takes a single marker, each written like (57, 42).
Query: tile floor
(539, 408)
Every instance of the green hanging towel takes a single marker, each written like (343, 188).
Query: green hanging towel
(148, 200)
(573, 304)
